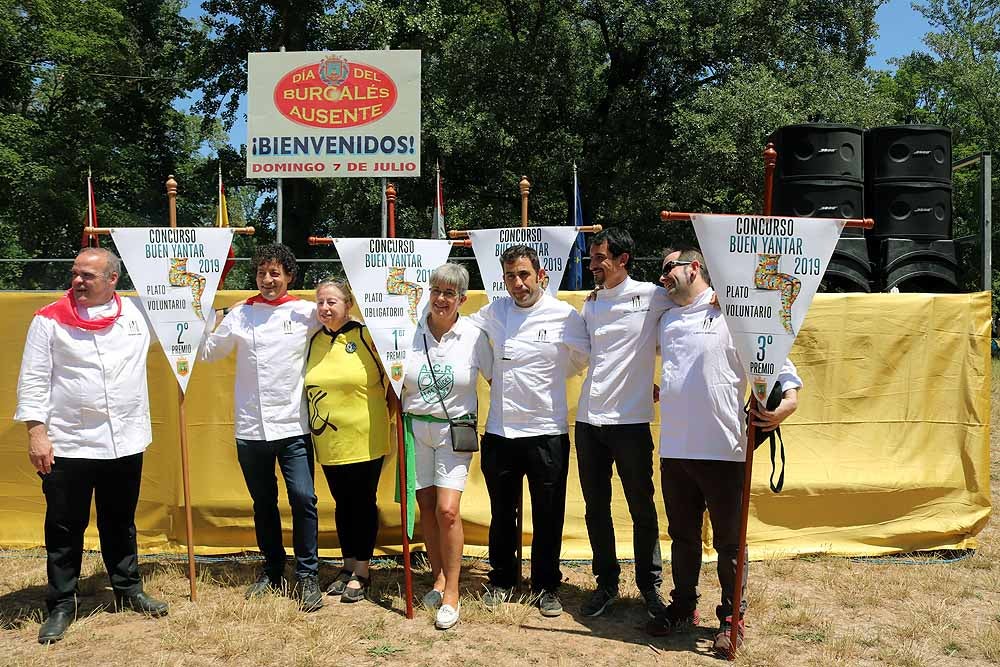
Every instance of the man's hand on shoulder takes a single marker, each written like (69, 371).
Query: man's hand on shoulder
(40, 447)
(768, 420)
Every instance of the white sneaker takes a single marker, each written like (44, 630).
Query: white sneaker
(447, 616)
(432, 598)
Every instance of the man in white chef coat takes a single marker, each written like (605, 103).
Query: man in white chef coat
(613, 418)
(82, 394)
(270, 333)
(538, 341)
(703, 440)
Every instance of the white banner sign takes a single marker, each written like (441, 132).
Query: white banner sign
(766, 271)
(551, 243)
(390, 278)
(175, 272)
(333, 114)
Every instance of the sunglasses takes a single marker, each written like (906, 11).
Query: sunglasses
(670, 266)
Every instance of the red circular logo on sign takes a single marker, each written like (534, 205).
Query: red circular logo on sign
(335, 94)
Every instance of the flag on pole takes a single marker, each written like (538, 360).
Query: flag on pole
(575, 273)
(222, 220)
(90, 240)
(437, 228)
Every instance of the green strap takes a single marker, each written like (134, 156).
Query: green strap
(411, 474)
(427, 418)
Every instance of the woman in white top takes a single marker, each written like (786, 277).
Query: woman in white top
(448, 353)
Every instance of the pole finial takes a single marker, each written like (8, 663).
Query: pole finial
(770, 154)
(390, 192)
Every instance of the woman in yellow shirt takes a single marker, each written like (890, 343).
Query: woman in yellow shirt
(349, 422)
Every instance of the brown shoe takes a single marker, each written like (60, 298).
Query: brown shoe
(723, 638)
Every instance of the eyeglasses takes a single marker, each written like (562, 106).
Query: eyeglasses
(448, 293)
(670, 266)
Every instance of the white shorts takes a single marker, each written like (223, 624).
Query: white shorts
(437, 463)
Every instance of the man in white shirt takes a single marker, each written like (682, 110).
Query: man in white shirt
(703, 439)
(613, 417)
(82, 394)
(270, 333)
(538, 341)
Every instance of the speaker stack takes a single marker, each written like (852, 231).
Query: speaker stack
(908, 169)
(820, 174)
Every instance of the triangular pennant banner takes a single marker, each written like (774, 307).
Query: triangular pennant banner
(551, 243)
(175, 272)
(766, 271)
(389, 278)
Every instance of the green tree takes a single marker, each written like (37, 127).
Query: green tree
(625, 89)
(89, 85)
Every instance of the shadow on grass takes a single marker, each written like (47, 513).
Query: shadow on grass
(94, 595)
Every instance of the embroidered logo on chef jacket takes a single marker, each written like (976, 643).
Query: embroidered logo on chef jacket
(287, 324)
(542, 336)
(706, 325)
(133, 328)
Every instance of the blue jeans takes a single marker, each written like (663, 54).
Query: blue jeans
(295, 458)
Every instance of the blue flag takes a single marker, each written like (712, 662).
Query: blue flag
(574, 271)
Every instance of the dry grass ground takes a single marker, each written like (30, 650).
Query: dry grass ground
(815, 611)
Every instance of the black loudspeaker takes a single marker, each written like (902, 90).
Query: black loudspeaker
(908, 153)
(919, 266)
(849, 269)
(820, 198)
(918, 210)
(819, 150)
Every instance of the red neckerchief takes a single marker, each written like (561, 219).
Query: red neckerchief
(259, 298)
(64, 311)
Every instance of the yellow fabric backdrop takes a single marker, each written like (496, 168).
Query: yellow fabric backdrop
(889, 450)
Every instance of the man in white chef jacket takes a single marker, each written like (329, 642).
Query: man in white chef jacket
(703, 440)
(613, 418)
(270, 333)
(82, 394)
(538, 341)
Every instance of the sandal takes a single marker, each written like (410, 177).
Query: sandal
(356, 594)
(340, 583)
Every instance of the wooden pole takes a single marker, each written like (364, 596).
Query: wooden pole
(182, 425)
(525, 189)
(770, 159)
(390, 197)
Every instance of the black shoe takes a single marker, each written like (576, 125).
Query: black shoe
(310, 596)
(674, 619)
(598, 602)
(264, 585)
(54, 627)
(141, 603)
(549, 604)
(496, 596)
(654, 603)
(337, 586)
(356, 594)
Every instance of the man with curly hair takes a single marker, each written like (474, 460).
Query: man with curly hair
(270, 333)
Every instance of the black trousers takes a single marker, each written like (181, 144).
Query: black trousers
(629, 447)
(354, 487)
(68, 488)
(505, 462)
(689, 486)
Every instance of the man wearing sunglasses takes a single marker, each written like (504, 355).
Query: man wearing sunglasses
(613, 417)
(703, 440)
